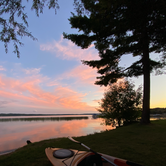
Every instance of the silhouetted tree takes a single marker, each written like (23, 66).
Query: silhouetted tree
(120, 27)
(121, 103)
(11, 29)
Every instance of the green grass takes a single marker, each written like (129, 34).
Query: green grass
(143, 144)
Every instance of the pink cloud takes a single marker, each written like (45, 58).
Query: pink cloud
(65, 49)
(83, 77)
(30, 91)
(71, 99)
(82, 74)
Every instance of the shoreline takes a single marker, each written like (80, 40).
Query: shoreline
(126, 142)
(133, 142)
(6, 152)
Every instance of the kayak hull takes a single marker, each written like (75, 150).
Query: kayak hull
(78, 157)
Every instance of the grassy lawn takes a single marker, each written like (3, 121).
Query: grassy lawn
(143, 144)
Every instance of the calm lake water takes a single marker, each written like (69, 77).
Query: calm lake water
(16, 130)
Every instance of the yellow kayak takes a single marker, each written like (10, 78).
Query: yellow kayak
(70, 157)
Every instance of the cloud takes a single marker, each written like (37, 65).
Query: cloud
(2, 68)
(66, 92)
(65, 49)
(80, 75)
(31, 94)
(70, 98)
(84, 74)
(81, 78)
(34, 110)
(3, 103)
(32, 71)
(97, 101)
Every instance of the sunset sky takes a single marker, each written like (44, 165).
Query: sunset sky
(49, 76)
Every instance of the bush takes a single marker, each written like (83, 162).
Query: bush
(121, 103)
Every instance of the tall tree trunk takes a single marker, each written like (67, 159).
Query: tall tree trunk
(146, 80)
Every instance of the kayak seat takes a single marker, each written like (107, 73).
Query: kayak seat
(92, 160)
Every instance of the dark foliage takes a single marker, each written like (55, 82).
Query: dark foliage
(119, 27)
(121, 104)
(11, 11)
(158, 110)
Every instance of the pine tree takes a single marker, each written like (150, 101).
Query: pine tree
(119, 27)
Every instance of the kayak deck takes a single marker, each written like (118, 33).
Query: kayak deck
(66, 161)
(79, 156)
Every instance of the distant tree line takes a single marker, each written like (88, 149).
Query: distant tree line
(158, 110)
(44, 119)
(19, 114)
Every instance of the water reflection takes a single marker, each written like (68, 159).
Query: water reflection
(15, 133)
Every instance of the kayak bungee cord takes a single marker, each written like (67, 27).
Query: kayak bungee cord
(72, 159)
(91, 150)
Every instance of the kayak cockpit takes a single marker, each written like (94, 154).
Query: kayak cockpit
(91, 160)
